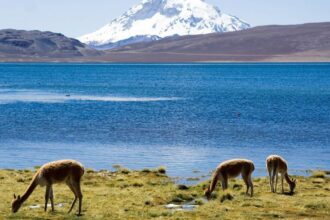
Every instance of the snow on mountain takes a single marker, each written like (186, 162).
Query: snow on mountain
(155, 19)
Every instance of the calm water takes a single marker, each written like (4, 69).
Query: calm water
(186, 117)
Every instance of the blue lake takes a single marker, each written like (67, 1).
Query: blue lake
(186, 117)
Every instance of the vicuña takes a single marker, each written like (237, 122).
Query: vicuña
(231, 169)
(62, 171)
(276, 164)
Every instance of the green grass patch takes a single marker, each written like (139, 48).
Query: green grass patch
(129, 194)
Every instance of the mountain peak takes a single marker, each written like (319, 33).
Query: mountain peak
(155, 19)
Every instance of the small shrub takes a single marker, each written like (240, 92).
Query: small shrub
(90, 171)
(146, 171)
(124, 185)
(137, 184)
(152, 183)
(193, 179)
(153, 215)
(182, 187)
(181, 198)
(161, 170)
(124, 171)
(226, 196)
(237, 186)
(318, 181)
(177, 200)
(148, 202)
(20, 180)
(319, 174)
(199, 202)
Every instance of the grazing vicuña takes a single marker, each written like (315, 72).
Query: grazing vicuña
(62, 171)
(231, 169)
(276, 164)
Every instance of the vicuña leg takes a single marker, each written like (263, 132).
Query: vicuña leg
(47, 194)
(52, 198)
(276, 176)
(270, 178)
(246, 181)
(75, 195)
(250, 183)
(273, 180)
(282, 179)
(79, 194)
(224, 183)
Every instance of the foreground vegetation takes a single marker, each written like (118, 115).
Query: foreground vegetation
(126, 194)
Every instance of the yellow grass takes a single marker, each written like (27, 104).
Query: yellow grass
(127, 194)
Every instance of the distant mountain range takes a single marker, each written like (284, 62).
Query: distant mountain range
(156, 19)
(305, 42)
(20, 44)
(311, 41)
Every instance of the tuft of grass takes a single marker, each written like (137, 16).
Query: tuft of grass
(199, 202)
(120, 169)
(318, 180)
(137, 184)
(89, 170)
(237, 186)
(316, 205)
(161, 169)
(125, 171)
(193, 179)
(319, 174)
(226, 196)
(20, 180)
(181, 197)
(182, 187)
(146, 171)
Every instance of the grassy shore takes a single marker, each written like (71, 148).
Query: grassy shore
(127, 194)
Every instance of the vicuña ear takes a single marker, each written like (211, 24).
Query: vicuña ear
(14, 196)
(19, 197)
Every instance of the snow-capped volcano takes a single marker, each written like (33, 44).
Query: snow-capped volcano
(156, 19)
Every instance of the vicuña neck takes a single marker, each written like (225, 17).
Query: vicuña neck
(214, 182)
(287, 178)
(30, 189)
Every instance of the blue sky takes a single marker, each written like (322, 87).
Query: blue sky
(78, 17)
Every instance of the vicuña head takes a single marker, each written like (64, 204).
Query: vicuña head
(62, 171)
(292, 185)
(207, 193)
(16, 204)
(231, 169)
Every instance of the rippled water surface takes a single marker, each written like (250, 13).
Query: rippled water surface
(186, 117)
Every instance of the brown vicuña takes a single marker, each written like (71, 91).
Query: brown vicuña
(231, 169)
(62, 171)
(276, 164)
